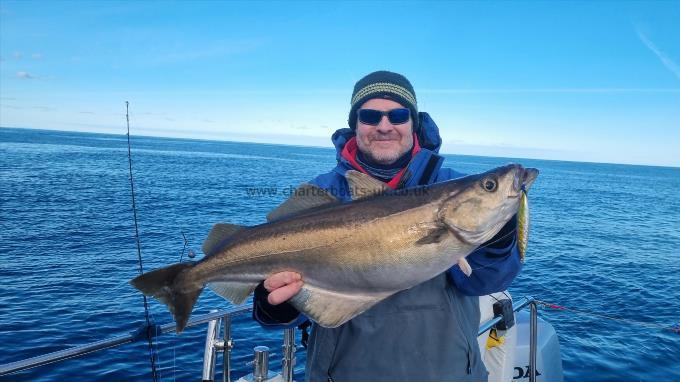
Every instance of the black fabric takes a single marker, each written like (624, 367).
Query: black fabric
(304, 328)
(432, 164)
(268, 313)
(383, 76)
(505, 237)
(380, 171)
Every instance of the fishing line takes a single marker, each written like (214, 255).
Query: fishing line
(183, 248)
(139, 250)
(158, 354)
(511, 232)
(607, 317)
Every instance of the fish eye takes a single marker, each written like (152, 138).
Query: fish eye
(489, 184)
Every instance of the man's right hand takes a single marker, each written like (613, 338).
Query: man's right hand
(282, 286)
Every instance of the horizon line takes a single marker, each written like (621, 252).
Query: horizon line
(329, 147)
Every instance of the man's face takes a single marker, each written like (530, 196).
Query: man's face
(384, 143)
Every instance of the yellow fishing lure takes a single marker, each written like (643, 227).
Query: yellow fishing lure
(523, 225)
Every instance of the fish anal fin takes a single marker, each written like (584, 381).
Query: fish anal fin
(218, 234)
(363, 186)
(332, 309)
(305, 197)
(235, 291)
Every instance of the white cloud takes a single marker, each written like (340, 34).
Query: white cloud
(25, 75)
(37, 56)
(665, 60)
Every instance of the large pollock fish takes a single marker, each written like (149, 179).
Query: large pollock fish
(350, 255)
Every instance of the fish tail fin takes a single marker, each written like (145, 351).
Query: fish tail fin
(165, 285)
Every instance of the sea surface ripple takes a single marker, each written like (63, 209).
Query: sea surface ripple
(604, 242)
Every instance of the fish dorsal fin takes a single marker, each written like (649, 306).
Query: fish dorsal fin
(218, 234)
(362, 185)
(305, 197)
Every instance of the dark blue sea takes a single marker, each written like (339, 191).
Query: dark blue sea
(605, 241)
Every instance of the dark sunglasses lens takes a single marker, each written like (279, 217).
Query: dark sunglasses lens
(398, 116)
(370, 116)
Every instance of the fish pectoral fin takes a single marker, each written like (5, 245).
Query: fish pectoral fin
(465, 267)
(234, 291)
(305, 197)
(218, 234)
(435, 235)
(331, 309)
(363, 186)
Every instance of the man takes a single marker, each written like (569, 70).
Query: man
(428, 332)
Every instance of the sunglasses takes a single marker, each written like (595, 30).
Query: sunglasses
(373, 117)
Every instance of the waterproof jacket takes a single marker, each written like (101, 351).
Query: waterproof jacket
(425, 333)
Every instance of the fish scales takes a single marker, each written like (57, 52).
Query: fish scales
(350, 255)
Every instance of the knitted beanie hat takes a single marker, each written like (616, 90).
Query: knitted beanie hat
(387, 85)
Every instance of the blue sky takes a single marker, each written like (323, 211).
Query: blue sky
(583, 81)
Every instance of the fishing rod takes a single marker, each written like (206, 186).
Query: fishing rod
(149, 327)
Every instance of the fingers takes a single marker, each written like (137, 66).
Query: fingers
(282, 286)
(284, 293)
(280, 279)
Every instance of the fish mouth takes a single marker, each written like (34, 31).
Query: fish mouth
(530, 175)
(524, 178)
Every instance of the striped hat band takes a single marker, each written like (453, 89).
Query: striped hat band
(384, 87)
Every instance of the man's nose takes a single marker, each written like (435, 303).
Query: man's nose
(385, 126)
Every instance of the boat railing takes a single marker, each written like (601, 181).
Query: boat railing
(215, 344)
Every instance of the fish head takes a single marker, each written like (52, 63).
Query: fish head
(478, 206)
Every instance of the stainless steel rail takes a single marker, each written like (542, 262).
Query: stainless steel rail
(76, 351)
(516, 306)
(533, 328)
(288, 365)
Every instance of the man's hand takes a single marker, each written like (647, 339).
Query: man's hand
(282, 286)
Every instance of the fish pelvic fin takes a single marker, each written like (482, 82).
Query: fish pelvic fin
(465, 266)
(165, 285)
(234, 291)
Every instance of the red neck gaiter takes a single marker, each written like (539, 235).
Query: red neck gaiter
(350, 150)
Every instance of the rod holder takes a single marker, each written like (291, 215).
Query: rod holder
(261, 363)
(228, 345)
(209, 353)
